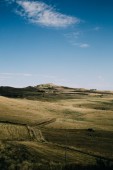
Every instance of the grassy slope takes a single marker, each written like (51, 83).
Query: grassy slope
(75, 115)
(71, 113)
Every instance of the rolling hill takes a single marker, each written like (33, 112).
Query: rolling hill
(48, 91)
(55, 127)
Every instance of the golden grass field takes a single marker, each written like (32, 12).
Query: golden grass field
(72, 130)
(91, 112)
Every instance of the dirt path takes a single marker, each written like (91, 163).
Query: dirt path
(35, 136)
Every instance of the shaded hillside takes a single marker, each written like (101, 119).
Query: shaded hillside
(49, 91)
(19, 92)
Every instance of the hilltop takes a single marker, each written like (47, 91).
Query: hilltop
(49, 91)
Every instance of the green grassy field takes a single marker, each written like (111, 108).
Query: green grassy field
(49, 134)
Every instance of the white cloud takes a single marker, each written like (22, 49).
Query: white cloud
(42, 14)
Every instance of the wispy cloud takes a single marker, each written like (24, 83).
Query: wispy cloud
(15, 74)
(9, 1)
(42, 14)
(25, 79)
(80, 45)
(97, 28)
(72, 35)
(10, 75)
(74, 39)
(84, 45)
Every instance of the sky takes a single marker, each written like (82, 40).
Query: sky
(65, 42)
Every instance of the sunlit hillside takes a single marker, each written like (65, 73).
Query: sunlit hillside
(41, 132)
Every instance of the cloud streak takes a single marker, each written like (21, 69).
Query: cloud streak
(84, 45)
(74, 39)
(10, 75)
(15, 74)
(40, 13)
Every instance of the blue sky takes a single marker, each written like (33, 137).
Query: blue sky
(65, 42)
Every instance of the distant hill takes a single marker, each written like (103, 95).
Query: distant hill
(49, 91)
(48, 85)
